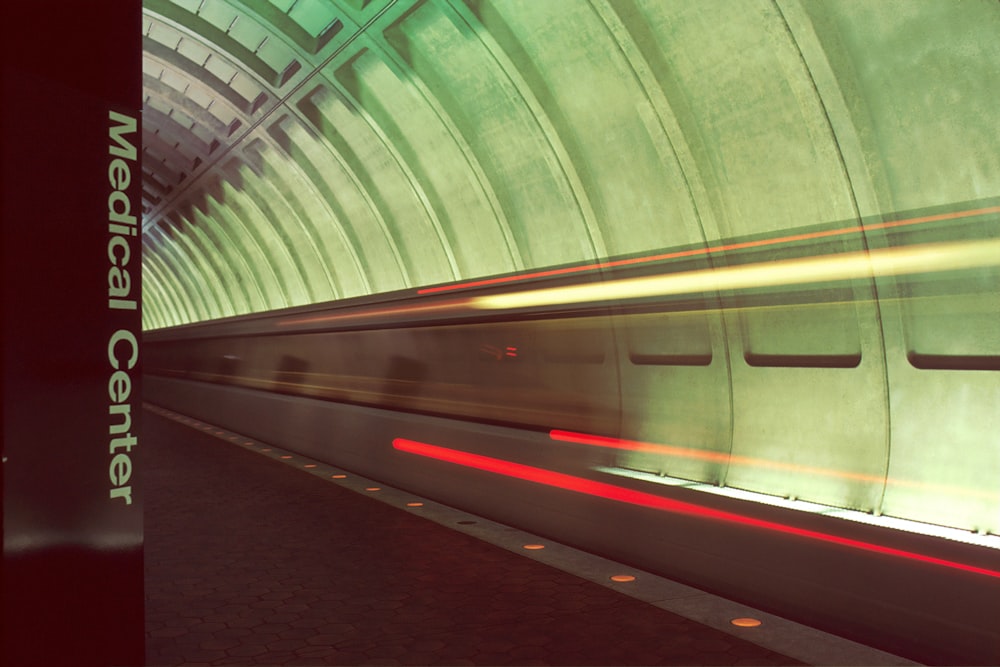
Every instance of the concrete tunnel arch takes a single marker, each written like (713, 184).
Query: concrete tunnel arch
(306, 151)
(300, 151)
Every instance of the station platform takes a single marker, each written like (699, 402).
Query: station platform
(252, 562)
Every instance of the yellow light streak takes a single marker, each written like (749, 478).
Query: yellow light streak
(927, 258)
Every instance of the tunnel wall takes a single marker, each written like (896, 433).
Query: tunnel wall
(397, 144)
(402, 144)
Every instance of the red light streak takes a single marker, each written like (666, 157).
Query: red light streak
(648, 500)
(856, 229)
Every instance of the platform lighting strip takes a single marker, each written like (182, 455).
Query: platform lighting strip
(643, 499)
(711, 250)
(988, 541)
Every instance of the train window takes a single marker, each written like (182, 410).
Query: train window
(950, 319)
(809, 335)
(671, 339)
(953, 324)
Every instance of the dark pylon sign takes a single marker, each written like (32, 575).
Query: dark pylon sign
(72, 586)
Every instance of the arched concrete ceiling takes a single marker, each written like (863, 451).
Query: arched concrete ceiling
(298, 151)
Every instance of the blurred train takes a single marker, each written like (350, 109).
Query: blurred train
(806, 422)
